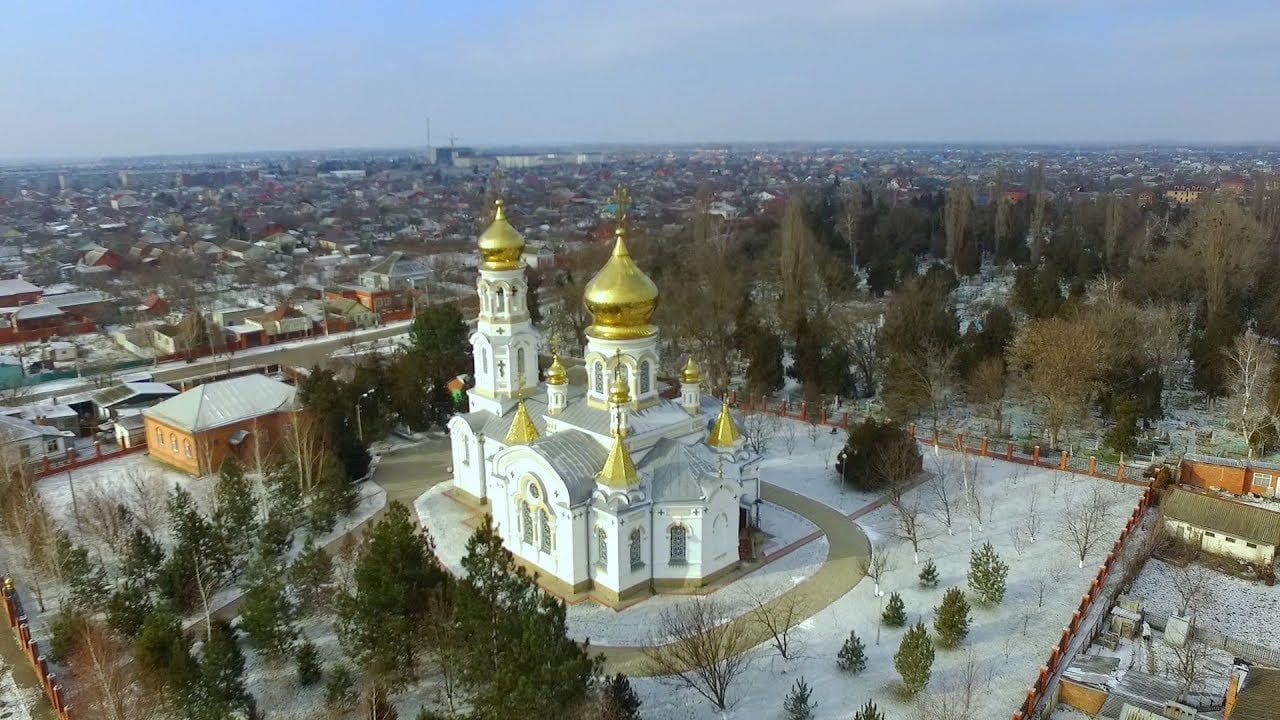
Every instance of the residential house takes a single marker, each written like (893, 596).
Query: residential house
(347, 314)
(154, 305)
(130, 429)
(19, 292)
(197, 430)
(1229, 475)
(1253, 693)
(31, 442)
(241, 250)
(1184, 194)
(109, 402)
(206, 250)
(1221, 526)
(396, 272)
(99, 260)
(282, 323)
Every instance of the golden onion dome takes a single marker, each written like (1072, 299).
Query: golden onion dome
(556, 374)
(619, 393)
(690, 374)
(500, 244)
(620, 298)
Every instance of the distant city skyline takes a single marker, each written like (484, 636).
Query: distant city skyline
(149, 78)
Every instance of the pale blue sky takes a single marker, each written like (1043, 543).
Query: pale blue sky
(88, 78)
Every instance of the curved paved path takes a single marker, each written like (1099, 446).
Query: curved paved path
(847, 547)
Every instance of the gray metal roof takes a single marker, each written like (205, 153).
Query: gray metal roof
(577, 458)
(224, 402)
(662, 414)
(16, 287)
(1221, 515)
(13, 429)
(677, 471)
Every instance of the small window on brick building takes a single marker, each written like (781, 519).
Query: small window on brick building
(1251, 546)
(1210, 534)
(1229, 539)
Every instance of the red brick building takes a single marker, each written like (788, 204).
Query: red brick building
(1238, 477)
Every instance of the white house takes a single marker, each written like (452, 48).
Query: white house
(1221, 526)
(30, 442)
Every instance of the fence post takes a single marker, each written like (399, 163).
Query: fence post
(1120, 471)
(733, 398)
(960, 442)
(1062, 464)
(1008, 453)
(1093, 466)
(911, 428)
(984, 446)
(823, 421)
(1035, 455)
(804, 410)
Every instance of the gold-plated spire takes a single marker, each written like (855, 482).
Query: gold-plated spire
(690, 374)
(556, 374)
(522, 431)
(500, 244)
(620, 298)
(724, 434)
(619, 469)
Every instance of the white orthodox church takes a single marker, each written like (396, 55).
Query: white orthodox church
(607, 488)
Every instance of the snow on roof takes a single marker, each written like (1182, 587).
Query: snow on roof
(1231, 462)
(37, 310)
(16, 287)
(224, 402)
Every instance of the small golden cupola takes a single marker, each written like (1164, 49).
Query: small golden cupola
(556, 374)
(725, 433)
(500, 245)
(619, 471)
(690, 374)
(620, 298)
(619, 393)
(522, 430)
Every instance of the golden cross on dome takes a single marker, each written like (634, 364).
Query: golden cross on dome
(621, 203)
(555, 344)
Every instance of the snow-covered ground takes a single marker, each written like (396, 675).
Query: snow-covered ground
(1009, 641)
(16, 703)
(445, 519)
(1243, 609)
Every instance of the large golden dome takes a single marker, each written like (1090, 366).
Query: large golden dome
(500, 244)
(620, 298)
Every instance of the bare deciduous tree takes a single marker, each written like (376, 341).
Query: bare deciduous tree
(958, 698)
(104, 518)
(1188, 662)
(1192, 582)
(940, 490)
(1249, 364)
(899, 463)
(1032, 520)
(1081, 527)
(760, 427)
(105, 683)
(876, 566)
(696, 648)
(147, 495)
(789, 437)
(778, 616)
(1047, 578)
(968, 465)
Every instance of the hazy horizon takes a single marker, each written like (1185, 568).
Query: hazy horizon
(152, 79)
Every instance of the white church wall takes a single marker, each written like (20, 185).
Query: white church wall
(664, 568)
(468, 459)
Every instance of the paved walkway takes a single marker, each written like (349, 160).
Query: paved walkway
(847, 548)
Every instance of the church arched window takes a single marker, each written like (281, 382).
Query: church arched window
(497, 299)
(602, 547)
(644, 377)
(526, 523)
(466, 452)
(637, 560)
(544, 531)
(520, 364)
(679, 547)
(484, 361)
(597, 378)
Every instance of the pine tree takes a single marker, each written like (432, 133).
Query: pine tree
(519, 661)
(197, 549)
(951, 620)
(895, 611)
(869, 712)
(621, 698)
(340, 688)
(310, 577)
(268, 614)
(798, 705)
(218, 690)
(308, 664)
(393, 579)
(163, 650)
(914, 659)
(929, 574)
(128, 609)
(236, 507)
(852, 656)
(143, 558)
(86, 579)
(987, 574)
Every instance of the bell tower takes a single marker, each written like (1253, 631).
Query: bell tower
(504, 345)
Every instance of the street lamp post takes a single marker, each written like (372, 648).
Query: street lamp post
(359, 424)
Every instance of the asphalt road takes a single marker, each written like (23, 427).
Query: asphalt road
(299, 354)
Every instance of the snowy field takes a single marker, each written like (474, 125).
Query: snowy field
(1009, 641)
(16, 703)
(445, 518)
(1238, 604)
